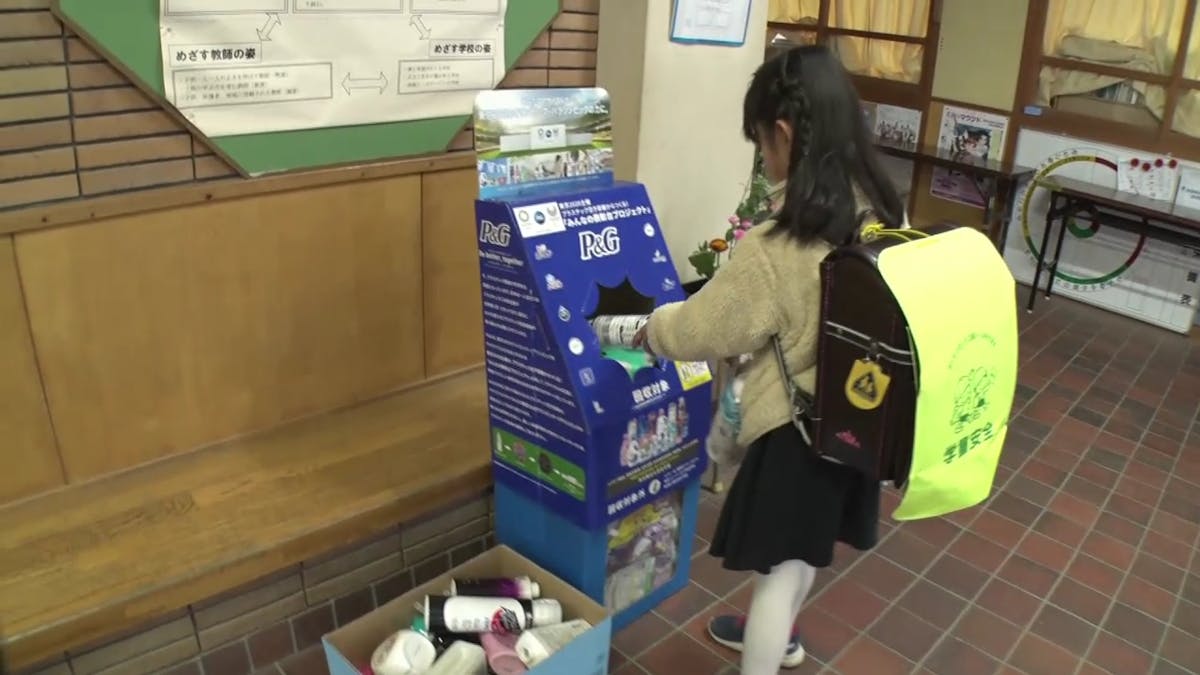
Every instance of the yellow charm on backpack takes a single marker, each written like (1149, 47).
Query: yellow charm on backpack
(866, 385)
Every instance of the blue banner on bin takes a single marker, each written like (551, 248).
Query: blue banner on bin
(582, 433)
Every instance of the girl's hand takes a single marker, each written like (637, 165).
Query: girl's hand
(641, 340)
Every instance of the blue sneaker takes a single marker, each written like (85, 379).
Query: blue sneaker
(730, 631)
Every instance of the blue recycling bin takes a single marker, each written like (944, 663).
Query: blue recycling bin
(597, 463)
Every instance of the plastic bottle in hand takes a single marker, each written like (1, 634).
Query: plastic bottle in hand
(723, 447)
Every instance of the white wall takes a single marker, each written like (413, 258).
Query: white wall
(677, 117)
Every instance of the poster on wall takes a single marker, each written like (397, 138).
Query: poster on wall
(234, 67)
(972, 134)
(896, 126)
(1136, 276)
(1150, 176)
(960, 187)
(542, 140)
(969, 135)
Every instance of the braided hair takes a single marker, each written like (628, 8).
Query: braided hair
(831, 152)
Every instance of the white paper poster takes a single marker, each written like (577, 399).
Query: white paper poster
(237, 67)
(1153, 177)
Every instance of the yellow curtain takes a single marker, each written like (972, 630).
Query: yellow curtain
(1142, 35)
(1152, 25)
(1187, 113)
(884, 59)
(896, 17)
(881, 58)
(794, 11)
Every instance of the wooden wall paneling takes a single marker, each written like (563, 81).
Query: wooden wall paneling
(123, 139)
(35, 108)
(96, 209)
(162, 332)
(76, 126)
(573, 40)
(29, 450)
(453, 301)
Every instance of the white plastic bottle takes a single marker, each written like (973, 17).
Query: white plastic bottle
(522, 588)
(722, 443)
(404, 653)
(462, 658)
(538, 644)
(464, 614)
(618, 330)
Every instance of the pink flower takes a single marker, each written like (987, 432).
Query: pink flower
(747, 224)
(738, 234)
(733, 220)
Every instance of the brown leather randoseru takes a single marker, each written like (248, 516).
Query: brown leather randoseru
(861, 323)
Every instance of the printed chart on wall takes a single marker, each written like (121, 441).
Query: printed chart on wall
(1131, 275)
(236, 67)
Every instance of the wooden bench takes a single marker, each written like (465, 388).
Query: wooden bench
(89, 561)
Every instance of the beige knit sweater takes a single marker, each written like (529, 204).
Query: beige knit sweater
(770, 286)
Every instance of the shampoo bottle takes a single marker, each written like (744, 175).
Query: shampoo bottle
(465, 614)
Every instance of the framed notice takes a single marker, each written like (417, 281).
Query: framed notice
(714, 22)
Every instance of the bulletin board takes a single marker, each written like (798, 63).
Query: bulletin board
(126, 32)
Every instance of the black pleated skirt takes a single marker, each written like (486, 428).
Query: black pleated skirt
(786, 503)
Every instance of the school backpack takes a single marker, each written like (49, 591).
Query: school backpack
(916, 364)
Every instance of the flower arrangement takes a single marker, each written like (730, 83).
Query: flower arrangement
(754, 208)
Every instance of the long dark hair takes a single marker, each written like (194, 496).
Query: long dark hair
(832, 151)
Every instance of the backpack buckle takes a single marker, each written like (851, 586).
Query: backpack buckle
(802, 413)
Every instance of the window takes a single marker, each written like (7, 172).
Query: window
(1116, 71)
(886, 44)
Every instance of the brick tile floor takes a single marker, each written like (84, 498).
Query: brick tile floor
(1083, 561)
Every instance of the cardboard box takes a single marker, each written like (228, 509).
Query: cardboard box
(351, 646)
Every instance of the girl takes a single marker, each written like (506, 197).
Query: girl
(787, 507)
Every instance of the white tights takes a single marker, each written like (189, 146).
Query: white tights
(777, 599)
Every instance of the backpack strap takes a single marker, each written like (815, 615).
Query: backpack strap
(877, 231)
(802, 402)
(870, 229)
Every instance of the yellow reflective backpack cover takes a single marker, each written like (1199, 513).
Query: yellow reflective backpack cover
(959, 300)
